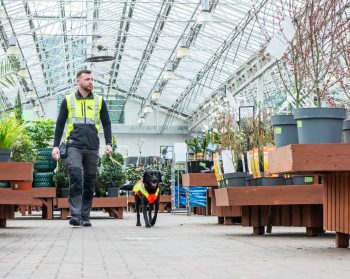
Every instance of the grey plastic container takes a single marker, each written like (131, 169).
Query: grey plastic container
(235, 179)
(269, 181)
(346, 131)
(302, 179)
(285, 129)
(320, 125)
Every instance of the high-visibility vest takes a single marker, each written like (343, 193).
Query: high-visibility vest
(140, 187)
(79, 114)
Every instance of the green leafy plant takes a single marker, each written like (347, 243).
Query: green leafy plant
(111, 170)
(23, 150)
(61, 176)
(10, 130)
(7, 69)
(41, 132)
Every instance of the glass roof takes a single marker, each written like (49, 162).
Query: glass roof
(56, 36)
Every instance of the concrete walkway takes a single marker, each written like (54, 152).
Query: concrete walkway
(179, 246)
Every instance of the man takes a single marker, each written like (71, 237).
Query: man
(83, 111)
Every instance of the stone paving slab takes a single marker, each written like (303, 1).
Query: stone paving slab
(179, 246)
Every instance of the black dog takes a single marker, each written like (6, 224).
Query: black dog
(147, 193)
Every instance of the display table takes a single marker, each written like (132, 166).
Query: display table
(331, 160)
(292, 205)
(9, 198)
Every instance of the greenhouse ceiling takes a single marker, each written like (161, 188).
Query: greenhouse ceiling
(142, 38)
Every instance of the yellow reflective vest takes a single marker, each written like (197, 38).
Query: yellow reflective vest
(83, 121)
(140, 188)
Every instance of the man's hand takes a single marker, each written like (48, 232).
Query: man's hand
(108, 149)
(56, 153)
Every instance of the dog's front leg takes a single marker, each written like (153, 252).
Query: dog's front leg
(137, 208)
(144, 212)
(150, 212)
(156, 209)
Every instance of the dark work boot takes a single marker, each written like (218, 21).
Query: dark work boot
(75, 221)
(86, 221)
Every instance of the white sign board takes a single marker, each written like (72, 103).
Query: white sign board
(227, 161)
(280, 40)
(180, 152)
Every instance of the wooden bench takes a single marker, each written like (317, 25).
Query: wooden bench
(113, 205)
(285, 205)
(44, 198)
(164, 203)
(331, 160)
(10, 198)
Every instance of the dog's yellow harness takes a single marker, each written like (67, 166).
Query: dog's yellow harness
(140, 188)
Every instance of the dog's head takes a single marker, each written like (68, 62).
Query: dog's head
(152, 178)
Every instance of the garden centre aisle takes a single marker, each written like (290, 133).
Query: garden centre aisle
(179, 246)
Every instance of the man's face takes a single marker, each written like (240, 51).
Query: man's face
(86, 82)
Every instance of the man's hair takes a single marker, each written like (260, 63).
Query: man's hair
(83, 72)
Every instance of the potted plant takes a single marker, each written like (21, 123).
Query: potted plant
(61, 179)
(316, 61)
(233, 144)
(42, 133)
(198, 145)
(23, 151)
(111, 173)
(10, 130)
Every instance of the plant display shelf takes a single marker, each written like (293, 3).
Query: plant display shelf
(293, 205)
(331, 160)
(113, 205)
(164, 203)
(10, 198)
(43, 198)
(193, 180)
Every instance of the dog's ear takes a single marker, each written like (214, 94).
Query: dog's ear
(159, 176)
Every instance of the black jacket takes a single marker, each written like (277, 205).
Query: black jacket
(83, 135)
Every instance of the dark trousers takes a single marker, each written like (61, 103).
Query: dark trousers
(82, 168)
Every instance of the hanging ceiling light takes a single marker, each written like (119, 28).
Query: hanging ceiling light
(156, 92)
(204, 16)
(13, 49)
(147, 109)
(183, 51)
(23, 72)
(169, 73)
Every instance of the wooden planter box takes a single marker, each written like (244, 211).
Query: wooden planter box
(9, 198)
(296, 205)
(113, 205)
(333, 160)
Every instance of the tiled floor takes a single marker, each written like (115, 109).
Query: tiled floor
(179, 246)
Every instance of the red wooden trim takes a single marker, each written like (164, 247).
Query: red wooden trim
(199, 179)
(15, 197)
(271, 195)
(16, 171)
(310, 158)
(45, 192)
(97, 202)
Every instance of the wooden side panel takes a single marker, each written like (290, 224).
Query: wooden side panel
(15, 197)
(270, 195)
(301, 158)
(16, 171)
(296, 215)
(246, 216)
(286, 215)
(221, 197)
(337, 208)
(45, 192)
(199, 179)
